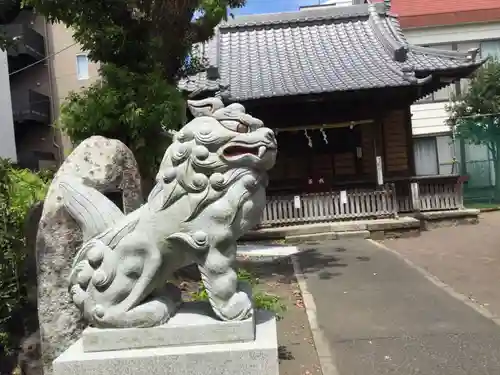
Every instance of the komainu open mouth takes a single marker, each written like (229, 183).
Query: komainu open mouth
(233, 151)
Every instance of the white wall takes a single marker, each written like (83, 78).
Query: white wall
(430, 118)
(455, 33)
(7, 137)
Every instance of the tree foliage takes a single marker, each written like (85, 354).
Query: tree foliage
(19, 190)
(475, 115)
(9, 10)
(134, 108)
(144, 47)
(140, 34)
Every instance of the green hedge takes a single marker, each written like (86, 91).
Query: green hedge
(19, 190)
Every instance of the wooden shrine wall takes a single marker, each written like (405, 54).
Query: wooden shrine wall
(371, 140)
(325, 165)
(395, 128)
(331, 157)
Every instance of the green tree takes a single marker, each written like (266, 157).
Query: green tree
(19, 190)
(144, 47)
(134, 108)
(9, 10)
(139, 35)
(475, 115)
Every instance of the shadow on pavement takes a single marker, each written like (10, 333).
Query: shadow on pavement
(284, 354)
(312, 261)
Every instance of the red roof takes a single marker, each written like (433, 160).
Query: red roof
(406, 8)
(422, 13)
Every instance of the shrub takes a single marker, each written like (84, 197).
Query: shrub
(262, 300)
(19, 190)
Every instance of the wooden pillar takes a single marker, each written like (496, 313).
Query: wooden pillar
(409, 143)
(415, 196)
(379, 150)
(358, 150)
(379, 163)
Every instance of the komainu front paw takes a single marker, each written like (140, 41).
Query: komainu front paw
(153, 312)
(239, 306)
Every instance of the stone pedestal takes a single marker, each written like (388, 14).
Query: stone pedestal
(192, 343)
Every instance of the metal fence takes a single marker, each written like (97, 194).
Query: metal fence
(444, 155)
(477, 164)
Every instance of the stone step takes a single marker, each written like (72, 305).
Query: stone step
(403, 223)
(353, 234)
(327, 236)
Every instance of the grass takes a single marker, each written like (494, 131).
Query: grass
(262, 300)
(482, 205)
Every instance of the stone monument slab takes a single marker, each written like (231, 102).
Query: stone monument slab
(257, 357)
(194, 324)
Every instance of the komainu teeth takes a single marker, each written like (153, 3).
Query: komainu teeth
(262, 151)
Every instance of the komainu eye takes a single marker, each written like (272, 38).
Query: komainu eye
(242, 128)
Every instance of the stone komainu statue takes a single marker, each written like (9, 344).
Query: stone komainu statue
(210, 189)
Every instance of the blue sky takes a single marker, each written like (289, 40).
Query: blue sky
(272, 6)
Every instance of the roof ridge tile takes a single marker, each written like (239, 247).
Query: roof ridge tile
(302, 16)
(397, 48)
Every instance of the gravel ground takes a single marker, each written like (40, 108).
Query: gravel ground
(297, 353)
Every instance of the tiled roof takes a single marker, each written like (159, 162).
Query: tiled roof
(319, 50)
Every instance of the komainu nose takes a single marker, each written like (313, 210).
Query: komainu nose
(269, 135)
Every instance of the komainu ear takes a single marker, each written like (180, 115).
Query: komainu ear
(205, 107)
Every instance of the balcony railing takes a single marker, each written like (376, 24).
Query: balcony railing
(30, 106)
(28, 45)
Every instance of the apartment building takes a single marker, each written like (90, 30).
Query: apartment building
(457, 25)
(7, 135)
(71, 69)
(35, 77)
(32, 141)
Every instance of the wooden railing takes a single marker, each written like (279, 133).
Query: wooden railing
(409, 196)
(431, 195)
(329, 206)
(439, 196)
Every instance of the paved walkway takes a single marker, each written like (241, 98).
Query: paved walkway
(381, 316)
(466, 257)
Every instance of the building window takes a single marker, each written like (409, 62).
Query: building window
(490, 48)
(435, 156)
(426, 163)
(82, 67)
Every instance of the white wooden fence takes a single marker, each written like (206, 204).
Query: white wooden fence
(432, 196)
(439, 196)
(328, 206)
(425, 195)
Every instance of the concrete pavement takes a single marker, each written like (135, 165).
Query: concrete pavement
(381, 316)
(466, 257)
